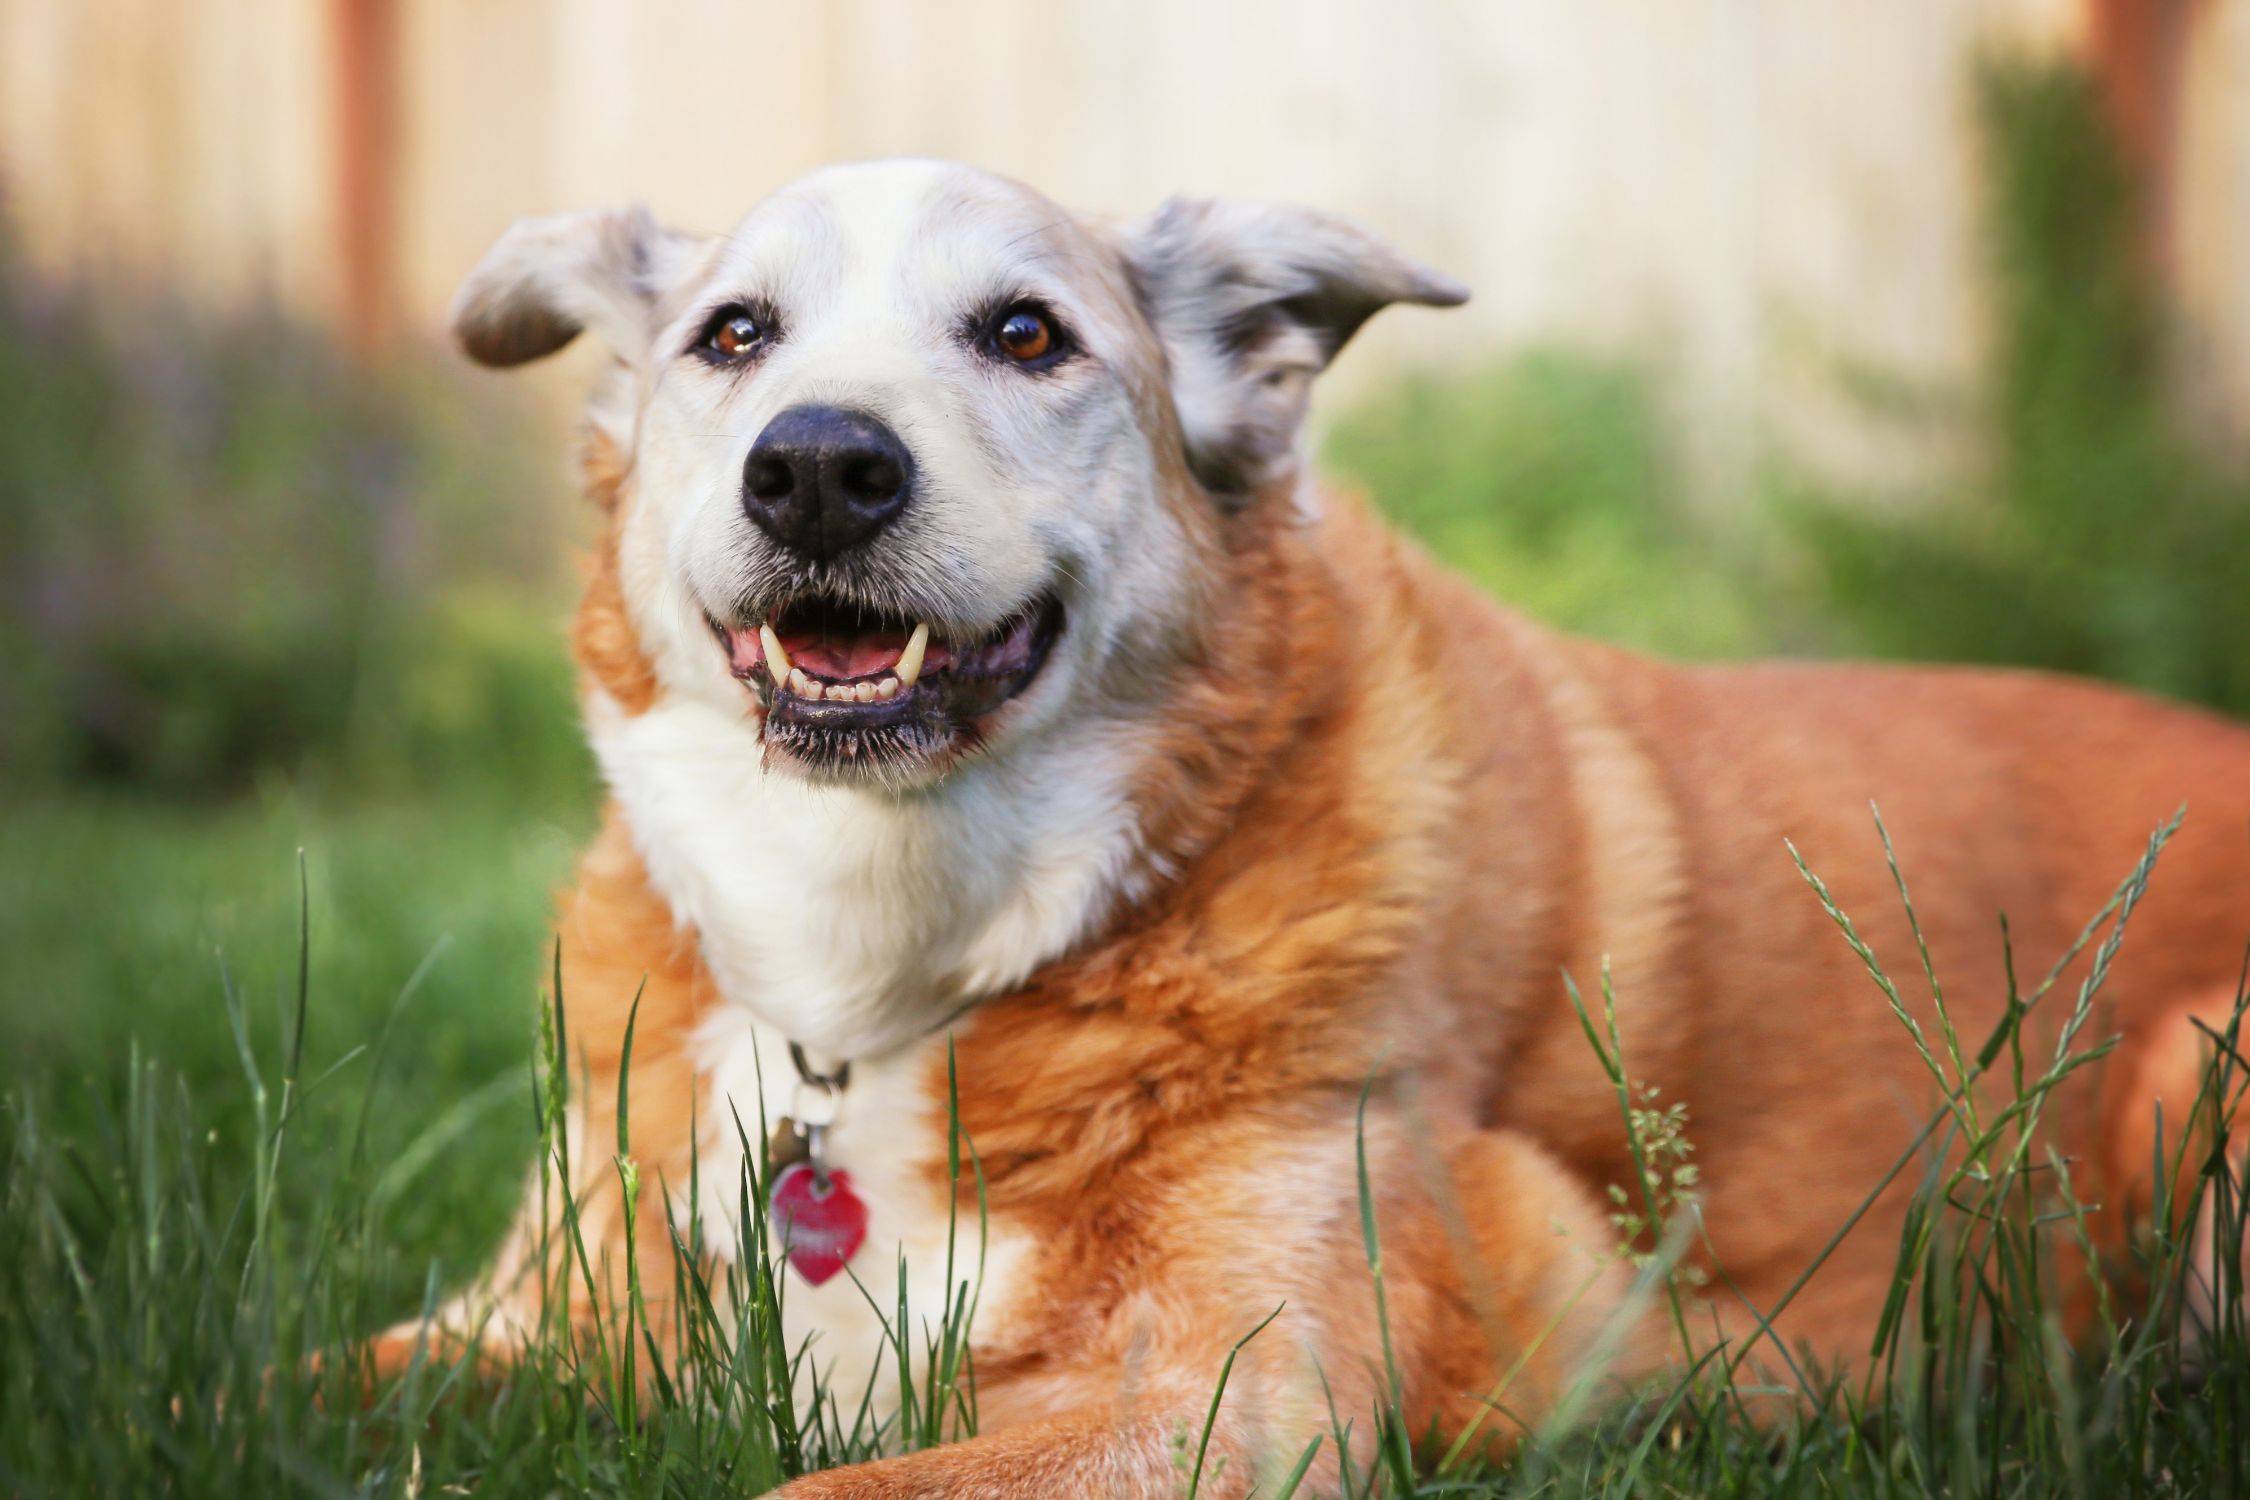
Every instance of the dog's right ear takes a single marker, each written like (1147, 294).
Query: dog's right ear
(548, 280)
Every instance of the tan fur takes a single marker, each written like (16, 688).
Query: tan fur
(602, 634)
(1381, 817)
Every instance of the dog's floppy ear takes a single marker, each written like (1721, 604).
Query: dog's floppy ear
(1252, 301)
(548, 280)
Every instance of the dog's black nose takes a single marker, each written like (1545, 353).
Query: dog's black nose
(820, 480)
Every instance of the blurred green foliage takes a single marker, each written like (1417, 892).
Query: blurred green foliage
(227, 552)
(1547, 481)
(2103, 539)
(2097, 536)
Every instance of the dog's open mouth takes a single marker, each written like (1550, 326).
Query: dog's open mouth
(843, 685)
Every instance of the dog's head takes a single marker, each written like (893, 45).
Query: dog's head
(920, 462)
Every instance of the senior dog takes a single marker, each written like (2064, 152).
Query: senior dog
(983, 687)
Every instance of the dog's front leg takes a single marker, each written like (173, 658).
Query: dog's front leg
(1499, 1289)
(1095, 1453)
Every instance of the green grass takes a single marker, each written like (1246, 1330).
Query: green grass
(126, 922)
(250, 1120)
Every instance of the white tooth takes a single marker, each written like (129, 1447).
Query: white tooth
(887, 688)
(802, 685)
(864, 691)
(777, 660)
(835, 690)
(909, 665)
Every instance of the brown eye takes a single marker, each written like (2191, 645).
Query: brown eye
(1025, 336)
(735, 336)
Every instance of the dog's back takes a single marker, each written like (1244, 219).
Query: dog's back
(1642, 816)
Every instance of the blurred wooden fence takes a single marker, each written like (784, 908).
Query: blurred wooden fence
(1751, 194)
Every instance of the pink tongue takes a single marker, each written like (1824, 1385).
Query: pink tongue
(840, 658)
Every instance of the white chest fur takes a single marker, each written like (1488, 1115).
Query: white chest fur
(856, 923)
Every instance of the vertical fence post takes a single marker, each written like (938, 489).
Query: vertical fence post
(2138, 52)
(365, 36)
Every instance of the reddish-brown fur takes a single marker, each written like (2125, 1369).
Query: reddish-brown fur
(1385, 862)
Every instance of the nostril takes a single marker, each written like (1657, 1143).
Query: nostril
(872, 477)
(769, 478)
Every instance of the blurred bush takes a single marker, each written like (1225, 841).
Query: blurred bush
(2105, 539)
(2097, 536)
(1547, 481)
(226, 551)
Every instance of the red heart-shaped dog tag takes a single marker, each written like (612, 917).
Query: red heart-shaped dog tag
(819, 1227)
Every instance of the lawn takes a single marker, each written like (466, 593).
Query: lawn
(126, 923)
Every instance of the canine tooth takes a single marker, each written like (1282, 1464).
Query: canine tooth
(802, 685)
(887, 688)
(910, 660)
(777, 660)
(864, 691)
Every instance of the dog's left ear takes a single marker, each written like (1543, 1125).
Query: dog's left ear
(1252, 301)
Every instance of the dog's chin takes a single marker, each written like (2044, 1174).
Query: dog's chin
(846, 694)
